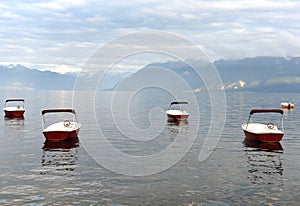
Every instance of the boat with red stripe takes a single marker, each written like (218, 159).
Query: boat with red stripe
(14, 108)
(61, 130)
(261, 131)
(178, 111)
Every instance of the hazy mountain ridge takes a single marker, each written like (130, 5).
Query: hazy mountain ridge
(264, 74)
(275, 74)
(22, 78)
(257, 68)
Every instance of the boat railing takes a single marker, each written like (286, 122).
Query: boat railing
(57, 111)
(253, 111)
(14, 100)
(282, 128)
(179, 103)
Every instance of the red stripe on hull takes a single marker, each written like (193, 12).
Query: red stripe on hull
(178, 117)
(264, 137)
(14, 113)
(57, 135)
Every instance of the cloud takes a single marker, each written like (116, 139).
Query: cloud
(58, 32)
(62, 5)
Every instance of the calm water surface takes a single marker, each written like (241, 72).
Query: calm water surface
(35, 172)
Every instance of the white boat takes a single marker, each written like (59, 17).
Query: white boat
(263, 132)
(177, 112)
(61, 130)
(287, 105)
(14, 107)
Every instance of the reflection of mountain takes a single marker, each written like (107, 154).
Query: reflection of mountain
(265, 163)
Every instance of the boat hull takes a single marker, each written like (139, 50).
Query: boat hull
(61, 135)
(18, 113)
(264, 137)
(178, 117)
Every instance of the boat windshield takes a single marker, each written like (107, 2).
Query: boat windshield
(51, 117)
(14, 103)
(267, 117)
(183, 106)
(253, 111)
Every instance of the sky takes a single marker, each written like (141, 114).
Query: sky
(60, 35)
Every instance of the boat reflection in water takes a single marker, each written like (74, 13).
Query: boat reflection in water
(14, 128)
(265, 162)
(60, 155)
(176, 128)
(14, 121)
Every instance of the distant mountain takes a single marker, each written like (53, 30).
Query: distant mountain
(22, 78)
(276, 74)
(158, 74)
(257, 68)
(280, 83)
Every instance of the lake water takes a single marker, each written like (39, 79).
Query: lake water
(35, 172)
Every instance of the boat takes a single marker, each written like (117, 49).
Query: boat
(14, 108)
(177, 112)
(61, 130)
(263, 132)
(287, 105)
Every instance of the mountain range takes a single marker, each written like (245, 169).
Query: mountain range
(19, 77)
(274, 74)
(259, 74)
(269, 74)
